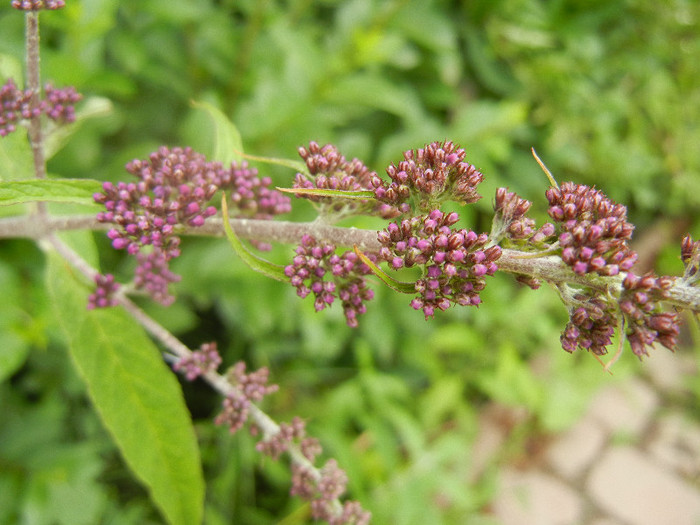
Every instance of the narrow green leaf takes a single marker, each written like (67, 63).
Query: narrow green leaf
(136, 396)
(77, 191)
(296, 165)
(275, 271)
(228, 146)
(321, 192)
(394, 284)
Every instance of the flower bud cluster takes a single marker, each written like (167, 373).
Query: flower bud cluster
(455, 262)
(690, 255)
(37, 5)
(510, 220)
(646, 323)
(594, 230)
(173, 190)
(202, 361)
(317, 269)
(251, 387)
(16, 105)
(294, 432)
(251, 194)
(323, 492)
(429, 175)
(103, 296)
(329, 170)
(592, 323)
(60, 103)
(152, 276)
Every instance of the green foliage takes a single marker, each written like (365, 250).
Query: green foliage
(147, 419)
(78, 191)
(607, 93)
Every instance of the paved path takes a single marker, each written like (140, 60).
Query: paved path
(633, 459)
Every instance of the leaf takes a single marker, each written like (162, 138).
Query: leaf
(228, 146)
(296, 165)
(78, 191)
(136, 396)
(265, 267)
(394, 284)
(14, 345)
(16, 156)
(321, 192)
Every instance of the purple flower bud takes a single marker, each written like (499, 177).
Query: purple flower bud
(479, 270)
(580, 267)
(120, 243)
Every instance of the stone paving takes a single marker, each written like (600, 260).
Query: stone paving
(633, 459)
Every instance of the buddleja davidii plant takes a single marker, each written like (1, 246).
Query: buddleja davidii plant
(584, 252)
(139, 402)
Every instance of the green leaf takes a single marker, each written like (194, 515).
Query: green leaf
(228, 146)
(321, 192)
(14, 345)
(265, 267)
(136, 396)
(16, 156)
(296, 165)
(78, 191)
(394, 284)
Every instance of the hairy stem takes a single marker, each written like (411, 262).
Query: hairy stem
(33, 83)
(549, 268)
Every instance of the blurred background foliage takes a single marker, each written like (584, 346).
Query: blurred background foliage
(606, 91)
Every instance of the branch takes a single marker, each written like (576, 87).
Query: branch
(547, 268)
(175, 350)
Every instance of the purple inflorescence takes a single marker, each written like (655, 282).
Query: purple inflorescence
(251, 194)
(288, 433)
(59, 103)
(173, 188)
(329, 170)
(173, 191)
(103, 296)
(37, 5)
(15, 105)
(455, 261)
(322, 493)
(510, 219)
(202, 361)
(317, 269)
(153, 275)
(594, 230)
(646, 323)
(430, 175)
(251, 387)
(591, 325)
(594, 317)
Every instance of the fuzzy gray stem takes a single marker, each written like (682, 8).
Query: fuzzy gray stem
(548, 268)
